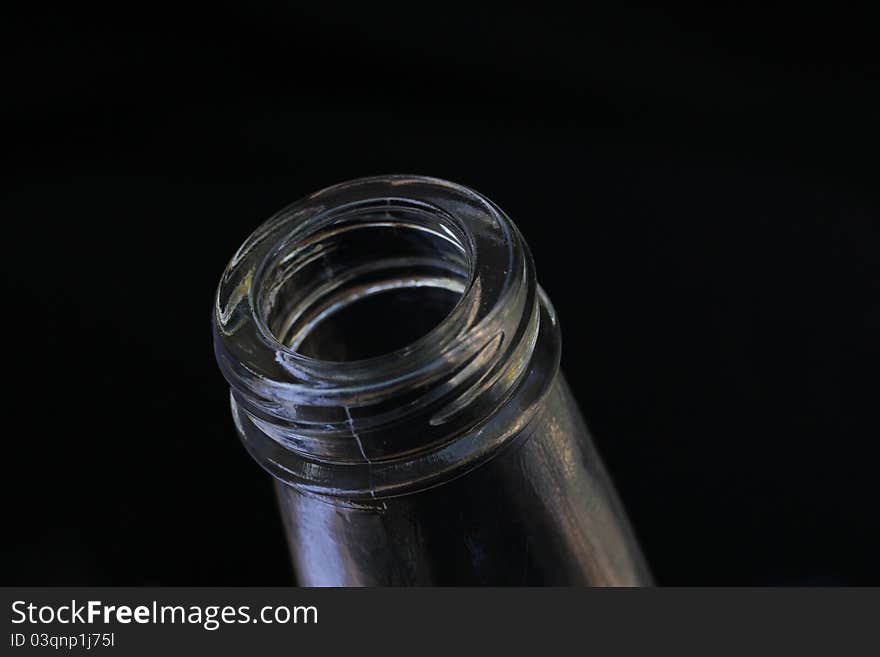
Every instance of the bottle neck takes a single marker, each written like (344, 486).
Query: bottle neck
(314, 405)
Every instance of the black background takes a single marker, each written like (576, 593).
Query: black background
(699, 192)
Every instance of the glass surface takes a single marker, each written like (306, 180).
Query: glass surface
(394, 365)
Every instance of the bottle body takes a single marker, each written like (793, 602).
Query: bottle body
(541, 512)
(395, 366)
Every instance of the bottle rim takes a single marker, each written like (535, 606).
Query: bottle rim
(295, 411)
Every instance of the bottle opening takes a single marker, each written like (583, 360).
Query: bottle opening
(373, 280)
(385, 321)
(370, 328)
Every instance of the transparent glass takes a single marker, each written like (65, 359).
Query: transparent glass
(395, 366)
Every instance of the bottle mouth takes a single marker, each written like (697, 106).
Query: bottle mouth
(372, 322)
(370, 280)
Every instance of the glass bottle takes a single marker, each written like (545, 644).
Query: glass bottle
(395, 366)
